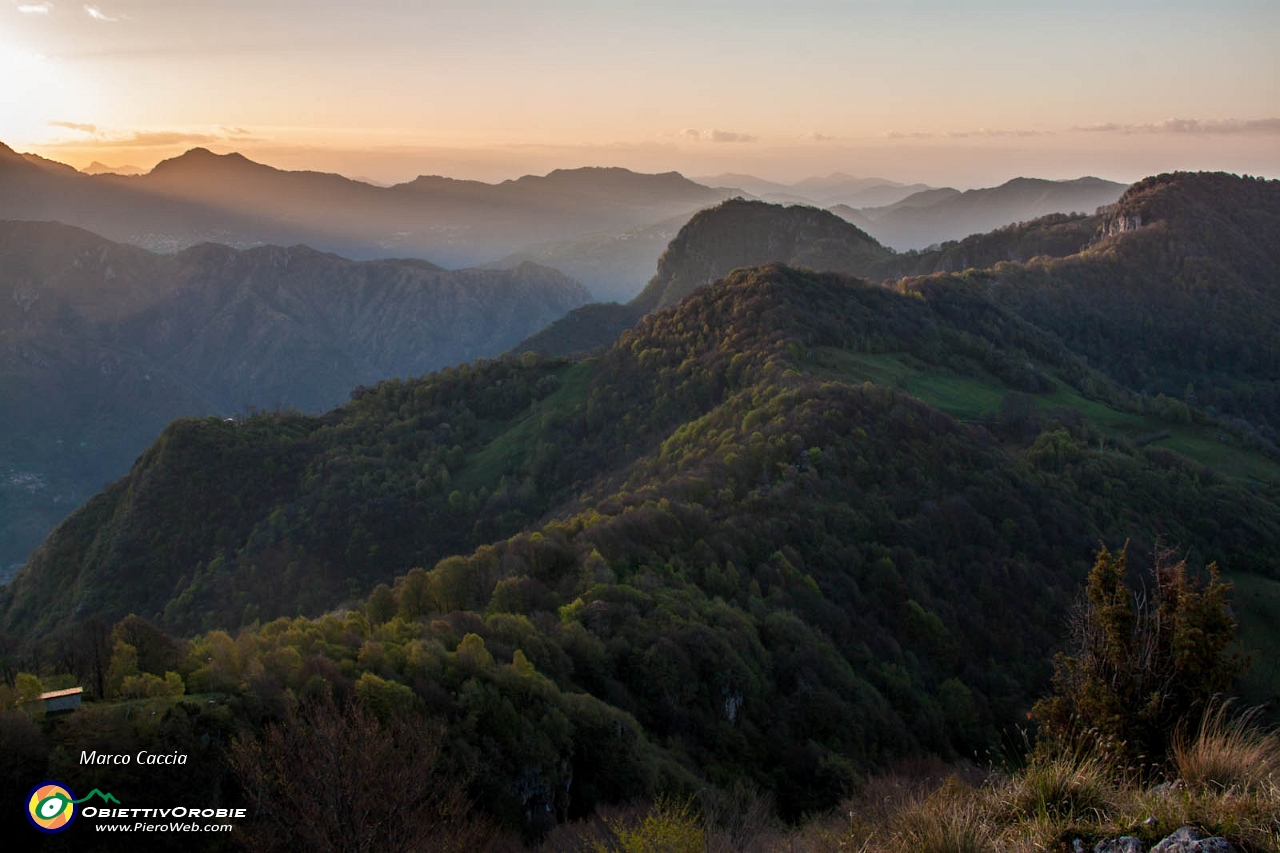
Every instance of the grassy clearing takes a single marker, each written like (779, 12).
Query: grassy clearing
(512, 448)
(975, 398)
(1228, 753)
(965, 397)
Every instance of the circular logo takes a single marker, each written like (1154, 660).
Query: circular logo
(51, 807)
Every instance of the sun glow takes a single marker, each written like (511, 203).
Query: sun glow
(38, 91)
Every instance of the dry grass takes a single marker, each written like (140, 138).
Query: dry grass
(1230, 787)
(1229, 752)
(1076, 786)
(951, 820)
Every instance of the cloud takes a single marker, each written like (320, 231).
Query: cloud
(148, 139)
(814, 136)
(156, 139)
(35, 8)
(716, 135)
(980, 133)
(71, 125)
(99, 15)
(1189, 126)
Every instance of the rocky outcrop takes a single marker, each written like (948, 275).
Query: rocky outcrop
(1190, 840)
(1118, 223)
(1186, 840)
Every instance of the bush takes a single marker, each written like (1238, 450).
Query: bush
(669, 827)
(1141, 666)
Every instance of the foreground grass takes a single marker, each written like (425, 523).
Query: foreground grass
(1223, 780)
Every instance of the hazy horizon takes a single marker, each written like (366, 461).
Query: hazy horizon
(962, 94)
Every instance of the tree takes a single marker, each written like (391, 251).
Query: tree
(335, 777)
(28, 686)
(124, 664)
(1141, 665)
(157, 651)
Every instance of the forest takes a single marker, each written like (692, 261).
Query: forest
(794, 531)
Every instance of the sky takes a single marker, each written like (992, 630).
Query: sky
(960, 92)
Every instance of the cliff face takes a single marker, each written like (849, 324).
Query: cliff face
(1116, 221)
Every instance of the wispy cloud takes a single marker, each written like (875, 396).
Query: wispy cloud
(980, 133)
(716, 135)
(35, 8)
(1189, 125)
(99, 15)
(99, 138)
(71, 125)
(814, 136)
(160, 138)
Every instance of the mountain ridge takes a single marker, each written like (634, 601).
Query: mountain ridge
(200, 196)
(104, 343)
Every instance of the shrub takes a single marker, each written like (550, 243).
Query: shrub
(1141, 664)
(669, 827)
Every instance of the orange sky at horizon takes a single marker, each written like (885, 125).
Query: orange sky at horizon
(965, 93)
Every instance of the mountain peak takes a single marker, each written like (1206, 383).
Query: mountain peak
(202, 161)
(99, 168)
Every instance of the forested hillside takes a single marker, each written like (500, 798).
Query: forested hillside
(737, 233)
(1179, 297)
(787, 531)
(102, 344)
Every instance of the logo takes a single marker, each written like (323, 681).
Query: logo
(51, 807)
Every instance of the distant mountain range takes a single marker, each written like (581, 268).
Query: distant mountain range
(935, 216)
(604, 226)
(101, 344)
(905, 218)
(613, 264)
(96, 168)
(834, 189)
(200, 197)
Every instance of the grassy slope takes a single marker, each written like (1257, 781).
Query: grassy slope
(978, 397)
(511, 448)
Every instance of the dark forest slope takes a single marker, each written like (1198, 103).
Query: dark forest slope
(722, 527)
(1180, 296)
(102, 344)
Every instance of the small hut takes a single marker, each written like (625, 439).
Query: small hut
(61, 701)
